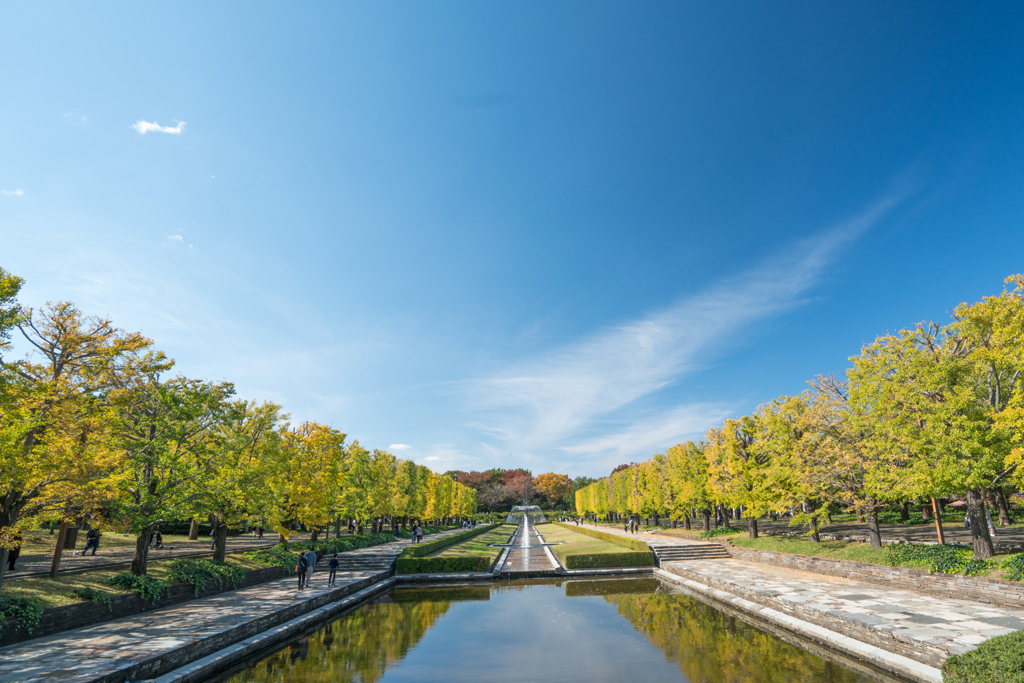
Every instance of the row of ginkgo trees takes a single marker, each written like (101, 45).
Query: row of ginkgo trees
(932, 411)
(93, 423)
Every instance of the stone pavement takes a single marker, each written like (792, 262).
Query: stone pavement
(917, 625)
(535, 559)
(147, 644)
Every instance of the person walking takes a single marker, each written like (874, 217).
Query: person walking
(332, 568)
(14, 553)
(310, 564)
(419, 532)
(300, 569)
(92, 540)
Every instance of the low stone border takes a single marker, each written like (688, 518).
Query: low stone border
(915, 650)
(202, 669)
(976, 588)
(189, 653)
(877, 656)
(89, 612)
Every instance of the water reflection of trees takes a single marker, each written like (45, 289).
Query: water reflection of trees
(357, 648)
(711, 647)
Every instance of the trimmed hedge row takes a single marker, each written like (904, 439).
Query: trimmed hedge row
(998, 660)
(412, 560)
(631, 543)
(438, 565)
(632, 558)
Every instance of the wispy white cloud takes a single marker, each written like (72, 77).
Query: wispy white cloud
(145, 126)
(76, 115)
(399, 447)
(560, 400)
(645, 436)
(14, 193)
(175, 238)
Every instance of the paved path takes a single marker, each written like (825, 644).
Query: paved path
(919, 619)
(535, 558)
(28, 565)
(88, 653)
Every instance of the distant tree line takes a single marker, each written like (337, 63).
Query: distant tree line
(95, 426)
(931, 413)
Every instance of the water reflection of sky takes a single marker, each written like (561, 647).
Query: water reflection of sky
(606, 630)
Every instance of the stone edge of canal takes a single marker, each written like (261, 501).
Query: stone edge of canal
(853, 654)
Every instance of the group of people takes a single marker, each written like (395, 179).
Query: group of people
(631, 526)
(307, 562)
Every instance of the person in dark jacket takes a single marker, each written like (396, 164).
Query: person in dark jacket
(301, 569)
(14, 553)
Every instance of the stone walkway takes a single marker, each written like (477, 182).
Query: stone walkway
(925, 622)
(534, 559)
(177, 634)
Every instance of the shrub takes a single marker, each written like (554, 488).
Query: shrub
(90, 593)
(198, 573)
(599, 560)
(720, 531)
(148, 588)
(631, 543)
(428, 547)
(1014, 566)
(276, 556)
(26, 612)
(997, 660)
(435, 565)
(943, 558)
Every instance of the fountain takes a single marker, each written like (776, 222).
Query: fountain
(533, 512)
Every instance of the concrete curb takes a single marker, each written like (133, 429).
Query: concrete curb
(202, 669)
(883, 659)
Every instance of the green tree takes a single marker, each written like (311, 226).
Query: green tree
(164, 431)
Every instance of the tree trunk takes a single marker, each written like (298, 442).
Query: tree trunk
(860, 515)
(220, 539)
(979, 525)
(904, 511)
(686, 522)
(815, 536)
(926, 510)
(337, 527)
(725, 516)
(706, 521)
(752, 529)
(314, 533)
(874, 533)
(1004, 508)
(193, 530)
(141, 557)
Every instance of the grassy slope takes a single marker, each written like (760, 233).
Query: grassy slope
(573, 543)
(56, 592)
(833, 550)
(479, 545)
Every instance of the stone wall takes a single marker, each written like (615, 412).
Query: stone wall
(979, 589)
(88, 612)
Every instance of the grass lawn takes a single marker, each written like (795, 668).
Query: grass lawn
(42, 542)
(573, 543)
(60, 591)
(479, 545)
(836, 550)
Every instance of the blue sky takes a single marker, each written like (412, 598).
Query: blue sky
(553, 235)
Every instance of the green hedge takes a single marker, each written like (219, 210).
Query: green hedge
(631, 543)
(437, 565)
(634, 558)
(997, 660)
(427, 547)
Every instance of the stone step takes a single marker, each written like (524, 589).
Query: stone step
(682, 553)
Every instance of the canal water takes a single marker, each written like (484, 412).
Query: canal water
(566, 630)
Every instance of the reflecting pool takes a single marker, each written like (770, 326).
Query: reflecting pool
(561, 630)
